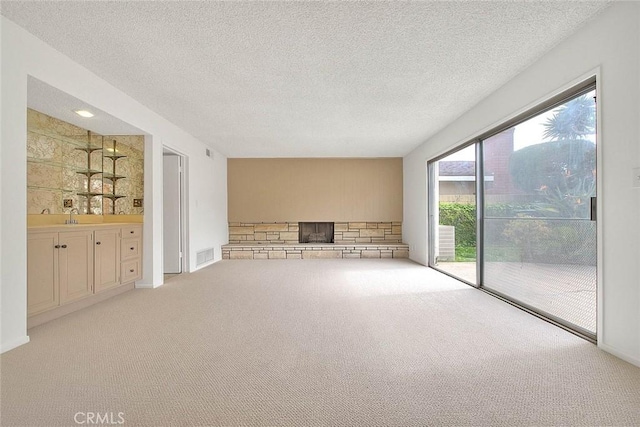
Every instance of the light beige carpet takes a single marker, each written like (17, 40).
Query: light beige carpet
(313, 342)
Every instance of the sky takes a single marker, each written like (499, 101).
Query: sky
(527, 133)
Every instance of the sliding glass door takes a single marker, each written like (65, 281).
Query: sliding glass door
(540, 238)
(453, 209)
(534, 232)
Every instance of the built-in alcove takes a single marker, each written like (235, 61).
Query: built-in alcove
(315, 232)
(72, 169)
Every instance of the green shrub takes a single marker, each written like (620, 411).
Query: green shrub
(463, 217)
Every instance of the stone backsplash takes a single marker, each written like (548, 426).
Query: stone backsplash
(287, 232)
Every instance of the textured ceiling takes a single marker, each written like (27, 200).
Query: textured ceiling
(303, 79)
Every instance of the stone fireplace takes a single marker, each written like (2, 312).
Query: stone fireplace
(315, 232)
(293, 240)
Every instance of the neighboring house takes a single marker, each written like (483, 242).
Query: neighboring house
(458, 177)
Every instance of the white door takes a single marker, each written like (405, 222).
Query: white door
(172, 221)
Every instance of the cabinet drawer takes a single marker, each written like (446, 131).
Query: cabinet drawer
(130, 271)
(131, 231)
(130, 248)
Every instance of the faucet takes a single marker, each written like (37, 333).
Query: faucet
(71, 220)
(45, 211)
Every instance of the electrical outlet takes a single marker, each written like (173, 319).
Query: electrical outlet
(67, 203)
(636, 177)
(137, 203)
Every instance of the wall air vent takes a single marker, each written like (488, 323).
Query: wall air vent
(204, 256)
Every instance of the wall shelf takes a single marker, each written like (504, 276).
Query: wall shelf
(89, 194)
(75, 140)
(89, 172)
(112, 177)
(89, 150)
(114, 156)
(112, 153)
(42, 187)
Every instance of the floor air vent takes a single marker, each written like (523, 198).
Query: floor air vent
(204, 256)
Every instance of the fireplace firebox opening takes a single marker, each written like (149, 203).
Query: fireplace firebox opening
(315, 232)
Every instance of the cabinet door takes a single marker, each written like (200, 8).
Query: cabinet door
(107, 259)
(42, 272)
(76, 265)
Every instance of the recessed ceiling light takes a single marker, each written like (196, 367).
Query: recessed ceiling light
(83, 113)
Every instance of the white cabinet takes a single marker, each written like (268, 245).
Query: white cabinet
(65, 266)
(59, 268)
(131, 253)
(75, 265)
(43, 291)
(107, 259)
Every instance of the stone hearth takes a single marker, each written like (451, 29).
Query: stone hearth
(281, 241)
(314, 251)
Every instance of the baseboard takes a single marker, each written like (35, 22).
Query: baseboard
(63, 310)
(619, 354)
(146, 286)
(13, 344)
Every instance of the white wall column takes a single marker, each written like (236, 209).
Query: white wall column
(13, 179)
(152, 274)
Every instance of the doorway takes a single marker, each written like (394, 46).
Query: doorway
(173, 214)
(525, 229)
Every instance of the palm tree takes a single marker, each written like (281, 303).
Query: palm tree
(573, 120)
(561, 171)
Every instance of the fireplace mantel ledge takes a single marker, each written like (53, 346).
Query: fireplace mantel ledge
(315, 245)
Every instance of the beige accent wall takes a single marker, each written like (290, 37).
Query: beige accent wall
(289, 190)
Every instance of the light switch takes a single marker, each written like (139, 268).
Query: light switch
(636, 177)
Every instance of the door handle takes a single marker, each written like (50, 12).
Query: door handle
(594, 208)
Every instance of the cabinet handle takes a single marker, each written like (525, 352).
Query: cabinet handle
(130, 271)
(64, 246)
(131, 232)
(57, 246)
(97, 243)
(131, 248)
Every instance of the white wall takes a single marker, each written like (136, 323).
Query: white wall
(609, 44)
(23, 55)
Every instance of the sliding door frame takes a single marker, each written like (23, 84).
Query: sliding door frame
(479, 214)
(582, 87)
(433, 204)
